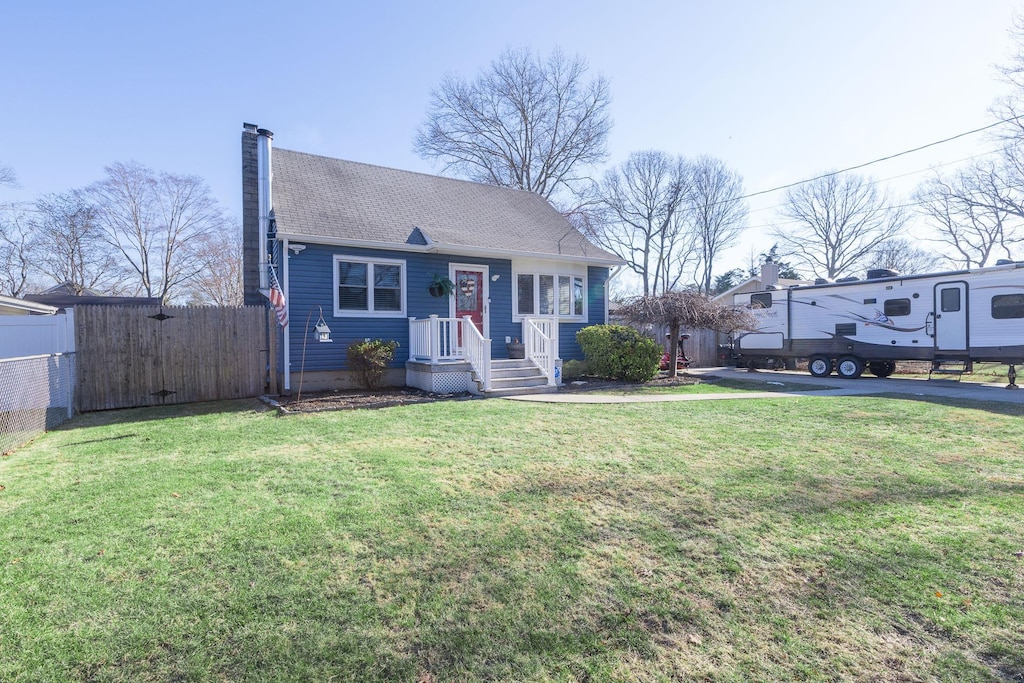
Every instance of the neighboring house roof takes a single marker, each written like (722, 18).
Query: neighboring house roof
(754, 285)
(324, 199)
(69, 289)
(11, 306)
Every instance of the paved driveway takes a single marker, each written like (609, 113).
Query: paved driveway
(829, 386)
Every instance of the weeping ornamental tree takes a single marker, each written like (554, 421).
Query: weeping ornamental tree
(689, 309)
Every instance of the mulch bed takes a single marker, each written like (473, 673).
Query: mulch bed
(353, 399)
(662, 380)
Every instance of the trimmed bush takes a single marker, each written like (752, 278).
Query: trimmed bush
(619, 352)
(574, 369)
(370, 359)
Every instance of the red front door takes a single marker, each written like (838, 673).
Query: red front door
(469, 296)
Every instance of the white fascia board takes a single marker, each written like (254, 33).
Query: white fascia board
(452, 249)
(19, 305)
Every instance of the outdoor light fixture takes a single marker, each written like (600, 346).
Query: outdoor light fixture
(321, 332)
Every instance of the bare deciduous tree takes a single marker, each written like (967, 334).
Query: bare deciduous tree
(71, 248)
(688, 309)
(7, 176)
(18, 245)
(155, 220)
(716, 213)
(526, 122)
(219, 280)
(971, 214)
(840, 220)
(642, 221)
(901, 255)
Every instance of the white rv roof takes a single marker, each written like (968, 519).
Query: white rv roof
(896, 278)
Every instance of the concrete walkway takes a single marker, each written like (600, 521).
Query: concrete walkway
(829, 386)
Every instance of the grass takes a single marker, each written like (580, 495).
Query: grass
(982, 372)
(726, 386)
(813, 539)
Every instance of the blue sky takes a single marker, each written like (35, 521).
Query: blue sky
(780, 91)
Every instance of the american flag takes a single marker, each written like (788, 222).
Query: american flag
(276, 297)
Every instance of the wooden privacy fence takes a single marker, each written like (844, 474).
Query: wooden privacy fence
(132, 356)
(702, 348)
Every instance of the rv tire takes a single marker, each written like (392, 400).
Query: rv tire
(820, 366)
(849, 367)
(882, 368)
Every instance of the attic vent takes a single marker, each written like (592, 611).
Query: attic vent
(822, 281)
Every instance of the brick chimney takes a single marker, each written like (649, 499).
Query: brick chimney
(256, 210)
(250, 217)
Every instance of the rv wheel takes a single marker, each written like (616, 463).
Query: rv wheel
(882, 368)
(820, 366)
(849, 367)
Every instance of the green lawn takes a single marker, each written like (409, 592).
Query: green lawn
(811, 538)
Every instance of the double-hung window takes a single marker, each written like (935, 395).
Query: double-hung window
(364, 286)
(550, 294)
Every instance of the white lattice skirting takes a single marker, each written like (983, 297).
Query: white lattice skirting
(443, 378)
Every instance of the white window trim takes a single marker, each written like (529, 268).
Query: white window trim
(370, 313)
(518, 317)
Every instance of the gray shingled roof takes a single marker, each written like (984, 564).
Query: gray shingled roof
(317, 196)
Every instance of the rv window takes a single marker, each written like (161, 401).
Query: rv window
(761, 300)
(1005, 306)
(895, 307)
(949, 300)
(846, 329)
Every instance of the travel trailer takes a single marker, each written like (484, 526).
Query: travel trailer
(952, 319)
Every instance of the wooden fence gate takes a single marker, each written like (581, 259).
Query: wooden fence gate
(132, 356)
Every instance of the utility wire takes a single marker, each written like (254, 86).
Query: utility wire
(876, 161)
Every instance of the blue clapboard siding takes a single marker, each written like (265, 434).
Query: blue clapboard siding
(311, 286)
(568, 349)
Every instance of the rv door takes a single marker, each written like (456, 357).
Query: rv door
(951, 316)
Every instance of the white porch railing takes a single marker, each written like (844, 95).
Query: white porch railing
(540, 341)
(438, 339)
(434, 339)
(477, 350)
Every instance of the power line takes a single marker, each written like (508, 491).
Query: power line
(879, 160)
(902, 175)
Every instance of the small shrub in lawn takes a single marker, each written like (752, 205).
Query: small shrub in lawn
(574, 369)
(619, 352)
(370, 359)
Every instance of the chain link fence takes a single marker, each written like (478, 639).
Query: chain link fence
(36, 394)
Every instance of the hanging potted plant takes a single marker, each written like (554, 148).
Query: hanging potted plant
(440, 286)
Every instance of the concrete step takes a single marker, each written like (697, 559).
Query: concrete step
(505, 364)
(520, 391)
(510, 382)
(516, 372)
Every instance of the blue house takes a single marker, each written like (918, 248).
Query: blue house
(358, 249)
